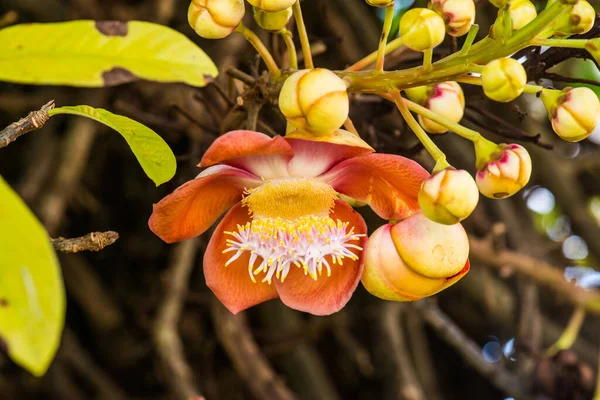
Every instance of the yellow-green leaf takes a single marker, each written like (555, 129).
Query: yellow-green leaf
(103, 53)
(152, 152)
(32, 295)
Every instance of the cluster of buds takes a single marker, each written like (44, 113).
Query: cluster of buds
(445, 99)
(573, 112)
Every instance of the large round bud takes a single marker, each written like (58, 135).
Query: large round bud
(215, 19)
(422, 29)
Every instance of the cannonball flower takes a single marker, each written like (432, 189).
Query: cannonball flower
(415, 258)
(380, 3)
(421, 29)
(503, 79)
(215, 19)
(272, 5)
(505, 172)
(445, 99)
(573, 112)
(286, 233)
(448, 196)
(579, 20)
(314, 100)
(272, 21)
(458, 15)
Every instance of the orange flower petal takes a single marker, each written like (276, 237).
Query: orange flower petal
(327, 295)
(193, 207)
(313, 158)
(388, 183)
(232, 284)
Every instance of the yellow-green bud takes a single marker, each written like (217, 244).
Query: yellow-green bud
(593, 47)
(215, 19)
(445, 99)
(314, 100)
(505, 172)
(580, 19)
(380, 3)
(448, 196)
(503, 79)
(458, 15)
(415, 258)
(272, 5)
(573, 113)
(521, 12)
(272, 21)
(422, 29)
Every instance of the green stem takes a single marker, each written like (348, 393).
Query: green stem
(469, 40)
(568, 337)
(260, 48)
(308, 61)
(385, 33)
(570, 43)
(371, 58)
(438, 155)
(476, 80)
(460, 130)
(427, 57)
(291, 47)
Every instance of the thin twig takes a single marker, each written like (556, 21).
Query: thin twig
(33, 121)
(94, 241)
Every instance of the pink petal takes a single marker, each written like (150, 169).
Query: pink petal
(314, 158)
(388, 183)
(232, 284)
(252, 151)
(327, 295)
(196, 205)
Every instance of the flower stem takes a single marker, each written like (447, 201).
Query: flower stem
(260, 48)
(570, 43)
(460, 130)
(371, 58)
(438, 155)
(385, 33)
(291, 47)
(427, 57)
(476, 80)
(308, 61)
(469, 40)
(568, 337)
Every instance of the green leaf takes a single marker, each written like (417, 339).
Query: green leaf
(32, 295)
(152, 152)
(97, 54)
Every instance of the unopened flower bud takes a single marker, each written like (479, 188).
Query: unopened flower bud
(272, 21)
(521, 12)
(380, 3)
(593, 47)
(272, 5)
(445, 99)
(580, 19)
(215, 19)
(415, 258)
(503, 79)
(458, 15)
(448, 196)
(422, 29)
(504, 172)
(573, 112)
(314, 100)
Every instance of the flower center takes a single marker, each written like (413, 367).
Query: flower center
(291, 227)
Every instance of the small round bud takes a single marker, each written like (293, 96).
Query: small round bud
(521, 12)
(448, 196)
(422, 29)
(580, 19)
(315, 100)
(415, 258)
(380, 3)
(458, 15)
(272, 21)
(272, 5)
(503, 79)
(445, 99)
(215, 19)
(573, 113)
(505, 172)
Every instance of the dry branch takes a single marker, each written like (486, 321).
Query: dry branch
(33, 121)
(94, 241)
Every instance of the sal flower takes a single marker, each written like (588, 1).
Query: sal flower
(287, 234)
